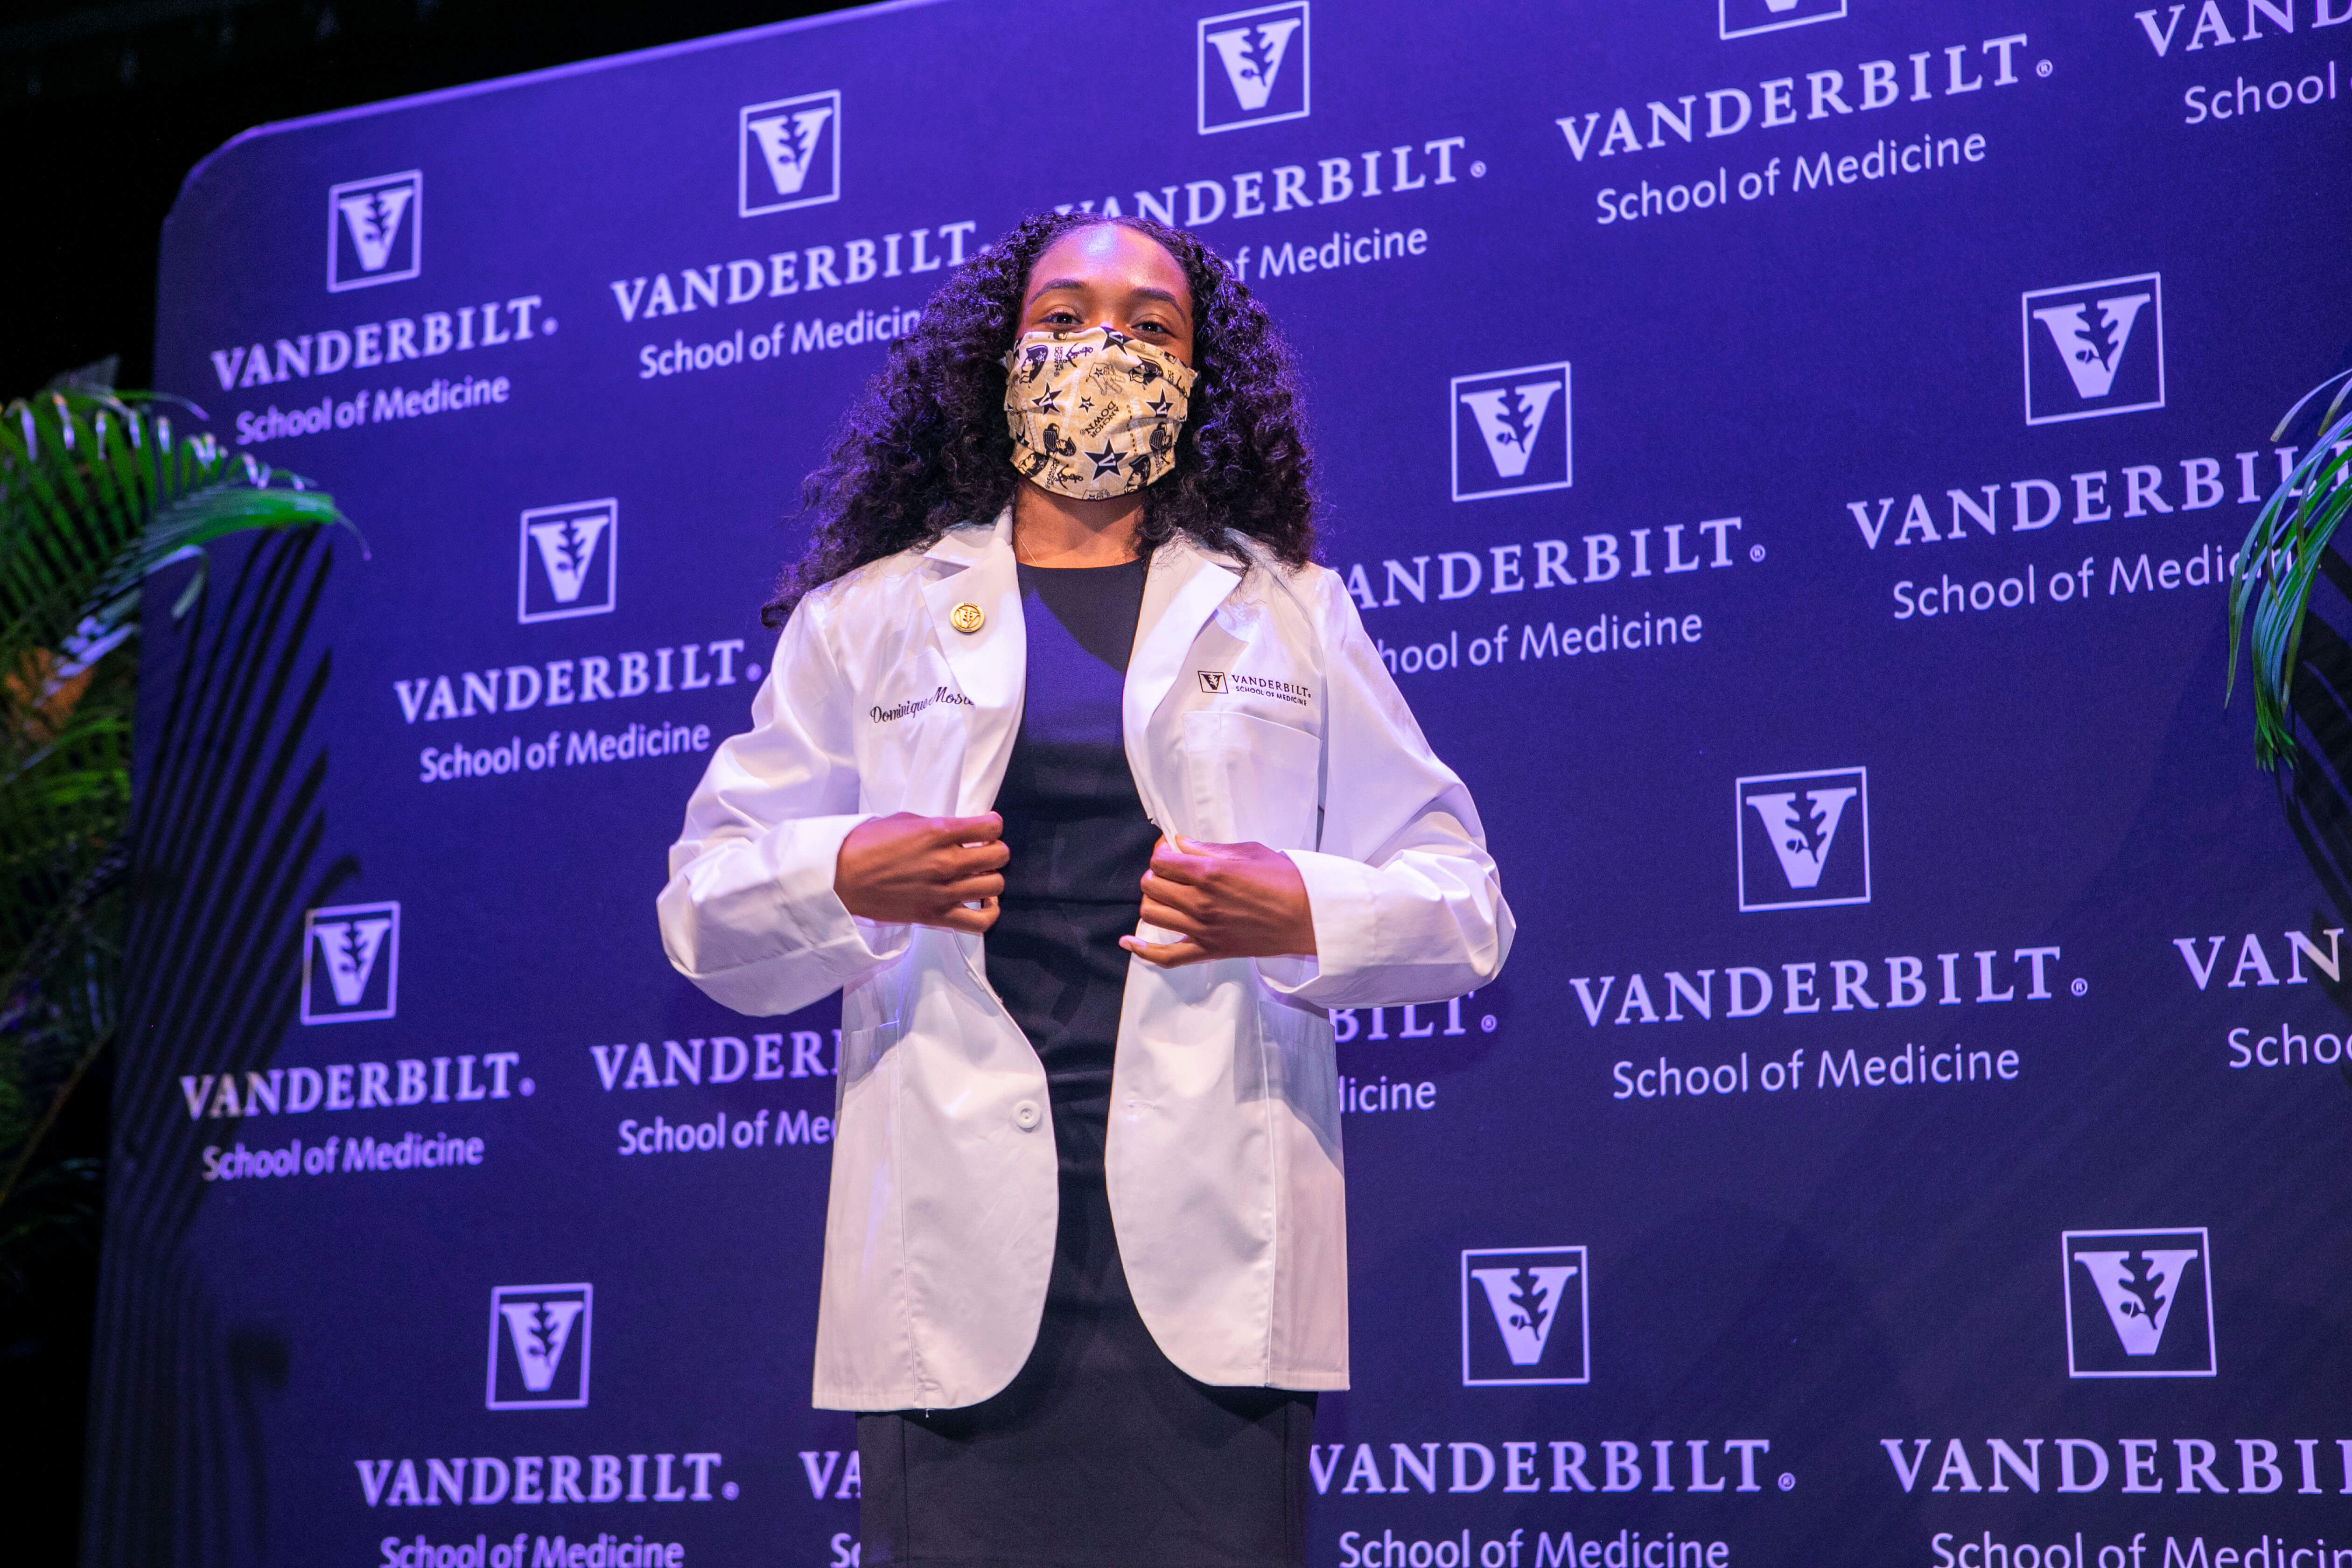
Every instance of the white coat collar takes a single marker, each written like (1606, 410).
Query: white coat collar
(988, 664)
(1183, 589)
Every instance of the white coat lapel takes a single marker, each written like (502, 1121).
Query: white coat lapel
(990, 663)
(1182, 590)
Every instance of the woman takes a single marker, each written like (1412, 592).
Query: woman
(1056, 669)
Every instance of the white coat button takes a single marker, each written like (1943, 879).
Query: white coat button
(1027, 1115)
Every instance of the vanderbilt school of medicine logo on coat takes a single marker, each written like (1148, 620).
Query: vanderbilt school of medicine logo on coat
(1524, 1316)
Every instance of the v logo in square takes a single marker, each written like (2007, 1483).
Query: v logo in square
(2095, 348)
(1251, 67)
(2139, 1303)
(569, 561)
(1524, 1316)
(1511, 431)
(539, 1346)
(788, 153)
(350, 963)
(375, 230)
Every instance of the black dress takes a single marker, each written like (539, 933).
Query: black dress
(1100, 1452)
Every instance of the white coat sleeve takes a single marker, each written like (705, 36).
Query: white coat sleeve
(749, 914)
(1407, 904)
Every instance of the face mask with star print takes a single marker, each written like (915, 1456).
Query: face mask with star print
(1095, 413)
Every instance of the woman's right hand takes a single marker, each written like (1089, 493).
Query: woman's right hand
(905, 869)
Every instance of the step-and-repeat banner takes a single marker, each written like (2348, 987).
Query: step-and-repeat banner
(1789, 453)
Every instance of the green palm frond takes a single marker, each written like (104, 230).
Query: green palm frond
(2278, 567)
(65, 793)
(98, 492)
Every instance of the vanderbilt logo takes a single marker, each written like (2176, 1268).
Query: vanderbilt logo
(789, 154)
(539, 1347)
(1741, 18)
(2095, 348)
(351, 962)
(1240, 683)
(1523, 1316)
(568, 561)
(1804, 840)
(1507, 438)
(374, 230)
(1253, 67)
(2139, 1303)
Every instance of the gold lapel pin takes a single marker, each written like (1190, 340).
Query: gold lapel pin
(966, 618)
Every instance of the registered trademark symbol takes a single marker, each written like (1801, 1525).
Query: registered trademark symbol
(527, 1086)
(1756, 552)
(731, 1491)
(547, 323)
(2081, 988)
(1478, 170)
(1487, 1024)
(2042, 67)
(1788, 1482)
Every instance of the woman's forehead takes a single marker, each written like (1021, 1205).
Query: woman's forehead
(1107, 252)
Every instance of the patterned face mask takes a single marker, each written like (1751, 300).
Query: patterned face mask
(1094, 414)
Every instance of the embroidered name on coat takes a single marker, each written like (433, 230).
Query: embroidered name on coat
(915, 705)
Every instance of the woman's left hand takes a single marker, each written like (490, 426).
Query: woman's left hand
(1222, 900)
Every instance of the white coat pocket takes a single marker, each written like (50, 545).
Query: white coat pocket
(1251, 780)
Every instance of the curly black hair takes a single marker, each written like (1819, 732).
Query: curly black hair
(926, 447)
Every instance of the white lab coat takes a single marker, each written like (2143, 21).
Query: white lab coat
(1255, 708)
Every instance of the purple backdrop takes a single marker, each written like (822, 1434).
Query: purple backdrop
(1789, 450)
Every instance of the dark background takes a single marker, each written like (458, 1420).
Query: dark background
(104, 110)
(107, 107)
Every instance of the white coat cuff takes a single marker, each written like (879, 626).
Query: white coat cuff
(1340, 898)
(784, 888)
(805, 883)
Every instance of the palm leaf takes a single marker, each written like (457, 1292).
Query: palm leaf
(65, 792)
(97, 494)
(2275, 572)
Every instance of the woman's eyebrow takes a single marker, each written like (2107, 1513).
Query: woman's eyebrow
(1080, 283)
(1163, 294)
